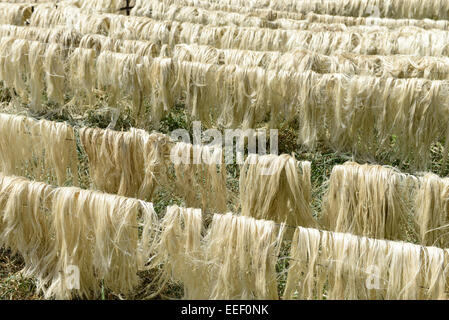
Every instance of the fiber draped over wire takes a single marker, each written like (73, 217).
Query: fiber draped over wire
(368, 200)
(126, 163)
(42, 149)
(328, 265)
(101, 238)
(432, 215)
(24, 224)
(140, 8)
(54, 229)
(15, 14)
(180, 252)
(276, 188)
(356, 39)
(200, 168)
(357, 8)
(242, 254)
(387, 22)
(371, 110)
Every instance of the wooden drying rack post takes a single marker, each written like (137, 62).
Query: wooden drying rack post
(127, 7)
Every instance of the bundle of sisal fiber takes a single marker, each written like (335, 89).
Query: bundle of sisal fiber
(276, 188)
(41, 149)
(328, 265)
(368, 200)
(431, 206)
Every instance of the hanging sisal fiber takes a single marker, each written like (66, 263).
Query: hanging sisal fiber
(13, 64)
(300, 60)
(25, 223)
(100, 238)
(141, 9)
(67, 37)
(125, 163)
(82, 76)
(200, 168)
(368, 200)
(357, 8)
(431, 206)
(41, 149)
(107, 6)
(53, 67)
(371, 110)
(55, 229)
(276, 188)
(242, 254)
(387, 22)
(69, 16)
(180, 252)
(359, 39)
(195, 14)
(328, 265)
(15, 14)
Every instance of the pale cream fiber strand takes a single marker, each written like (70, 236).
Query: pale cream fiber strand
(387, 22)
(276, 188)
(203, 168)
(125, 163)
(392, 9)
(103, 243)
(402, 66)
(405, 40)
(41, 149)
(140, 9)
(24, 223)
(96, 232)
(180, 252)
(242, 253)
(368, 200)
(432, 215)
(338, 266)
(250, 107)
(15, 14)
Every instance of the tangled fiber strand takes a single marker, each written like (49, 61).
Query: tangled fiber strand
(13, 64)
(357, 8)
(67, 37)
(53, 67)
(42, 149)
(70, 16)
(82, 77)
(180, 251)
(195, 14)
(141, 9)
(120, 72)
(242, 254)
(344, 266)
(276, 188)
(106, 6)
(300, 60)
(387, 22)
(200, 168)
(368, 200)
(124, 163)
(400, 107)
(432, 217)
(98, 233)
(356, 39)
(16, 14)
(25, 223)
(54, 229)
